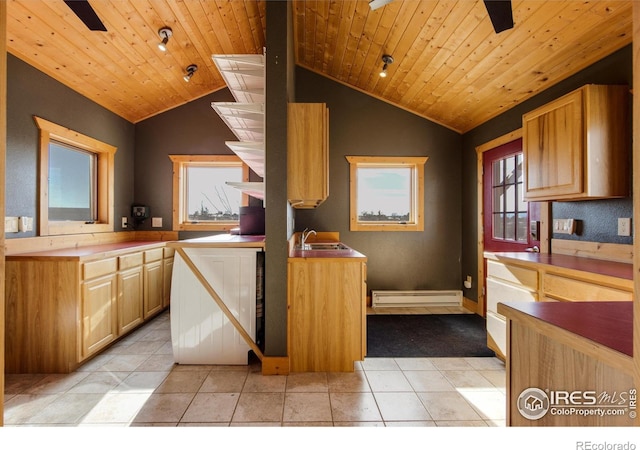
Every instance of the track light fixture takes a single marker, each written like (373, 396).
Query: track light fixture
(191, 69)
(375, 4)
(386, 59)
(164, 33)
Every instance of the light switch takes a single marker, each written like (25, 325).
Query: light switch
(25, 223)
(564, 226)
(10, 224)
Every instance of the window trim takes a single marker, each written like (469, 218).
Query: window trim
(180, 163)
(105, 180)
(416, 163)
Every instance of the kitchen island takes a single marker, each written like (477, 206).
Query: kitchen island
(569, 364)
(216, 299)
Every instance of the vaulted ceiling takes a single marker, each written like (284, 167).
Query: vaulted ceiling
(450, 66)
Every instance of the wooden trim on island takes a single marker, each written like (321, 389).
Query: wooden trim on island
(275, 365)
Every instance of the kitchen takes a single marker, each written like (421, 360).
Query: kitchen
(451, 217)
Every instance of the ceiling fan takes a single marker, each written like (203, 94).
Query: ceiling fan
(500, 12)
(86, 14)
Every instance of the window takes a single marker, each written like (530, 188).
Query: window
(387, 193)
(201, 198)
(76, 182)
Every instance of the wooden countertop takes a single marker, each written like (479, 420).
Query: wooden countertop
(221, 240)
(591, 265)
(606, 323)
(86, 252)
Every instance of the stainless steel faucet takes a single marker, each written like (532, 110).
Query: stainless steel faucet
(305, 236)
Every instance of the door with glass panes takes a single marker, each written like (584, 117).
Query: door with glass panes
(510, 223)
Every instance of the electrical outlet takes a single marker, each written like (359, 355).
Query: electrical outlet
(624, 226)
(125, 222)
(156, 222)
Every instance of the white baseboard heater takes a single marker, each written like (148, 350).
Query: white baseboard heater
(390, 299)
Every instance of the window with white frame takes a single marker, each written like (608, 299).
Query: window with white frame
(202, 199)
(387, 193)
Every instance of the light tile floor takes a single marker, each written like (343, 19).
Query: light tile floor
(136, 383)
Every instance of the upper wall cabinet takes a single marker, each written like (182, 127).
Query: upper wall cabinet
(577, 147)
(307, 154)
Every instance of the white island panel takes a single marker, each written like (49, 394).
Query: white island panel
(200, 331)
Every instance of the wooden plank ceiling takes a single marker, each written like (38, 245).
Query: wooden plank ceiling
(449, 64)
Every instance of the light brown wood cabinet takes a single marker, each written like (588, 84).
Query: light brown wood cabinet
(559, 287)
(515, 281)
(307, 154)
(153, 282)
(578, 146)
(130, 292)
(64, 306)
(326, 314)
(167, 262)
(99, 313)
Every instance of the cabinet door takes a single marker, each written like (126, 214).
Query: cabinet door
(325, 315)
(153, 288)
(129, 299)
(553, 148)
(99, 314)
(307, 154)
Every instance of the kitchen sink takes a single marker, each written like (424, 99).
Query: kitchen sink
(325, 246)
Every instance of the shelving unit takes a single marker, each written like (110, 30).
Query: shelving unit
(244, 76)
(252, 153)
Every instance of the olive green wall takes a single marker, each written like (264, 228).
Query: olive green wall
(362, 125)
(31, 92)
(599, 217)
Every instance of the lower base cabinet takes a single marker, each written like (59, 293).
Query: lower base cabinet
(326, 314)
(129, 299)
(99, 314)
(80, 303)
(519, 281)
(153, 282)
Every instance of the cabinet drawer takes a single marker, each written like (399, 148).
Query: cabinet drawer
(129, 261)
(168, 252)
(513, 274)
(153, 255)
(497, 291)
(569, 289)
(497, 329)
(99, 268)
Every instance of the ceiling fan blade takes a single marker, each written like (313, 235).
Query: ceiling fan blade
(85, 12)
(500, 14)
